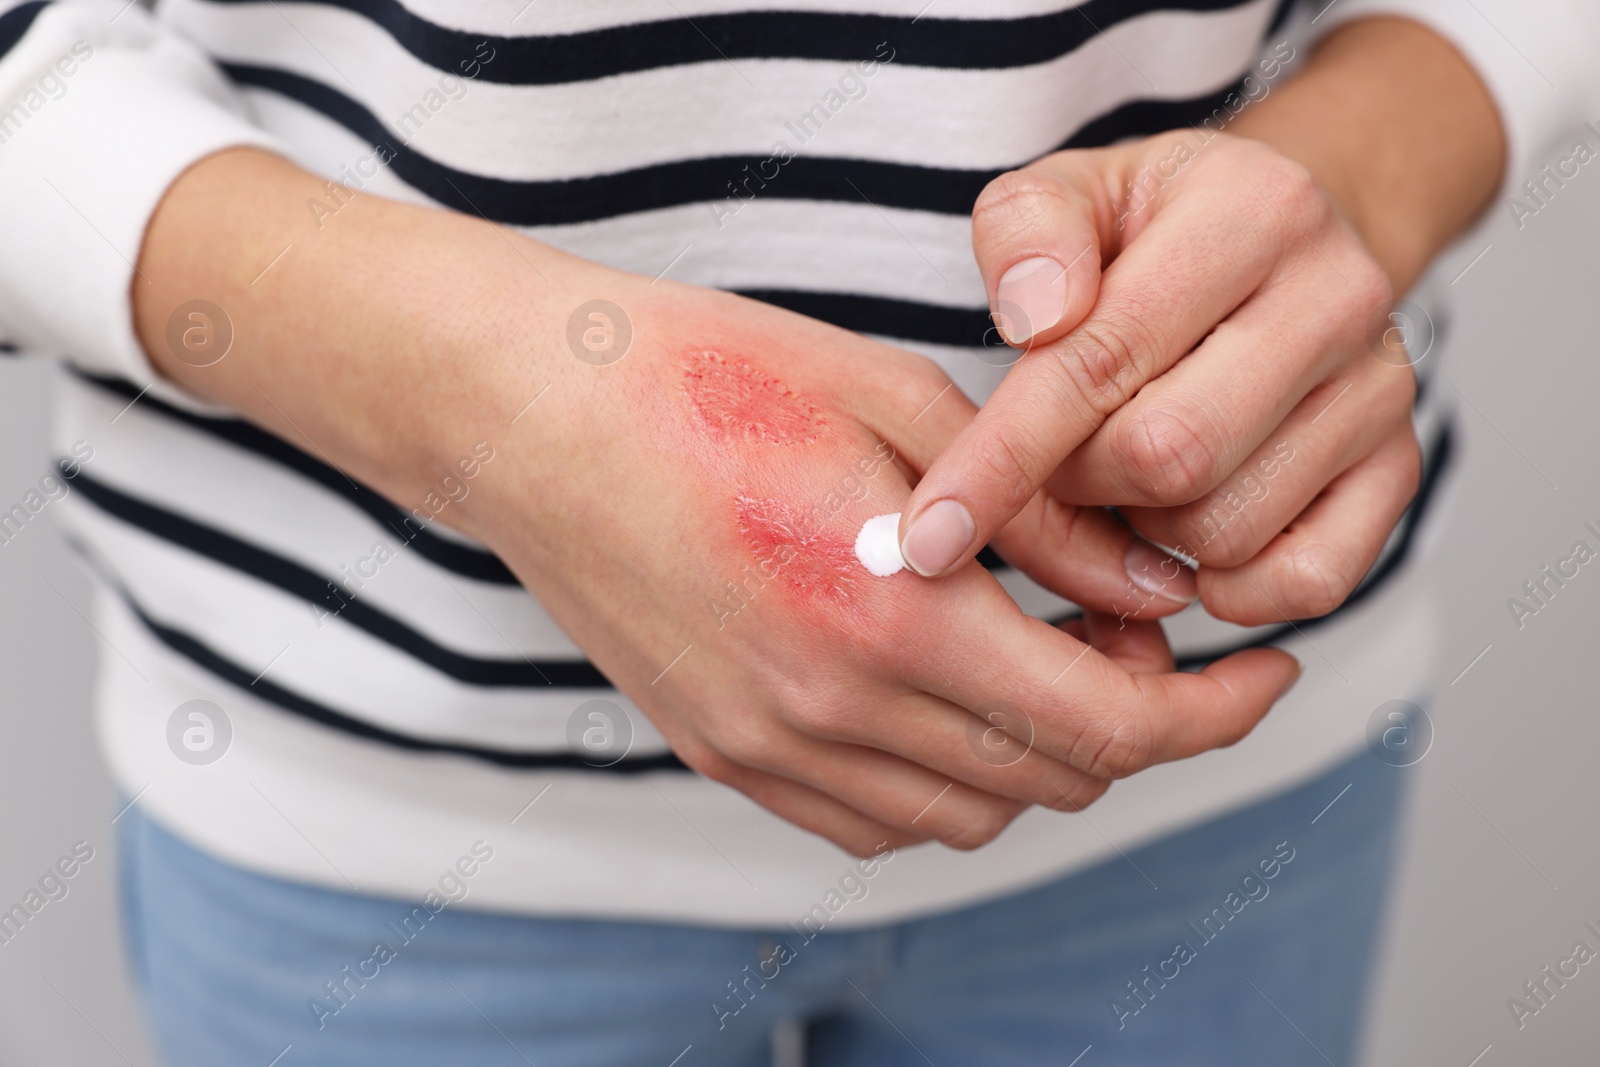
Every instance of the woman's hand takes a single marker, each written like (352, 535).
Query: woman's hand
(1212, 384)
(1203, 319)
(689, 515)
(685, 507)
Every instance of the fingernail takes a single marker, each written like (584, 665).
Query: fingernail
(1158, 574)
(1031, 297)
(938, 537)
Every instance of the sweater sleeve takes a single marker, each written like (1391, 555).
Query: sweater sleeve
(1535, 57)
(101, 109)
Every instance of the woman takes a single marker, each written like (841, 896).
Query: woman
(389, 807)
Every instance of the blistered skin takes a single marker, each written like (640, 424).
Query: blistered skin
(758, 428)
(735, 402)
(812, 563)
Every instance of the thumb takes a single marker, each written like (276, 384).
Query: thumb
(1037, 234)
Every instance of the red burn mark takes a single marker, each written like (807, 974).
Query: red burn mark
(813, 564)
(736, 400)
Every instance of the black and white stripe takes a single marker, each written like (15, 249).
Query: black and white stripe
(255, 566)
(436, 702)
(616, 138)
(707, 38)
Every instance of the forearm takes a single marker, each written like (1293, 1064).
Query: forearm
(1401, 132)
(350, 330)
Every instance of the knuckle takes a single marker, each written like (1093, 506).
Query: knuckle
(1008, 465)
(866, 846)
(922, 381)
(1371, 289)
(1292, 192)
(816, 705)
(1314, 580)
(1411, 475)
(1221, 536)
(1175, 457)
(711, 764)
(1107, 359)
(1392, 403)
(1062, 532)
(1015, 203)
(818, 716)
(1407, 464)
(981, 824)
(1226, 529)
(1405, 395)
(1121, 746)
(1076, 796)
(1362, 303)
(742, 739)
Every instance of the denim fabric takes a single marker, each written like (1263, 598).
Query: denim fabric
(1275, 908)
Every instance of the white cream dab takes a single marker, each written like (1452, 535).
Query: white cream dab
(878, 545)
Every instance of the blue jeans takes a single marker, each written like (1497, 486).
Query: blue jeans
(1255, 948)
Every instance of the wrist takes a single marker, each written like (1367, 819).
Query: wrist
(1400, 132)
(1402, 240)
(386, 339)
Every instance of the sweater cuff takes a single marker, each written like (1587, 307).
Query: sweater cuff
(85, 160)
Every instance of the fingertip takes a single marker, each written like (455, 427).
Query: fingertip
(1296, 669)
(1036, 237)
(938, 537)
(1161, 576)
(1030, 299)
(1039, 300)
(1256, 675)
(1088, 556)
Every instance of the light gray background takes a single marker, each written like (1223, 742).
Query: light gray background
(1501, 862)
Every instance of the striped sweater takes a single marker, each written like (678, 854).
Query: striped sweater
(302, 678)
